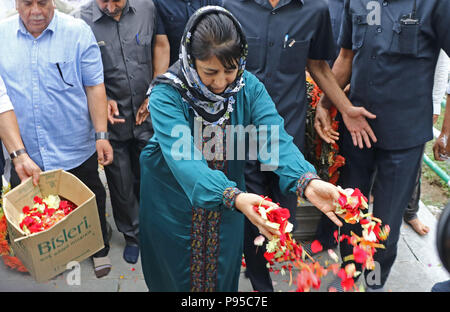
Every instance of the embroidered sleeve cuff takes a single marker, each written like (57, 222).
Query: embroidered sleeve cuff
(303, 182)
(229, 197)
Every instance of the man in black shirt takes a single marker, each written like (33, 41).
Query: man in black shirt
(124, 30)
(172, 18)
(284, 38)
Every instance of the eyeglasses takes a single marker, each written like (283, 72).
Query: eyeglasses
(62, 77)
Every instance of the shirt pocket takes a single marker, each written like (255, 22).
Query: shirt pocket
(359, 29)
(254, 54)
(61, 75)
(294, 56)
(108, 57)
(144, 43)
(405, 39)
(359, 22)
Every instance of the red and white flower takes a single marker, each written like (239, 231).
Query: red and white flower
(284, 248)
(44, 214)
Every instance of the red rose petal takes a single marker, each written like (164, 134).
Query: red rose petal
(316, 246)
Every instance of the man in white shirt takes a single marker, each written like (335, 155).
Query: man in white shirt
(440, 83)
(10, 135)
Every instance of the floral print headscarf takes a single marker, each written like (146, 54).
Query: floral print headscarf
(213, 108)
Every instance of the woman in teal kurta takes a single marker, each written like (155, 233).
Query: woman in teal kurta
(192, 204)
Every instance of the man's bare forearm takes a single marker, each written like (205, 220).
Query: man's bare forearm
(10, 135)
(98, 108)
(342, 68)
(446, 123)
(9, 131)
(161, 55)
(342, 71)
(326, 80)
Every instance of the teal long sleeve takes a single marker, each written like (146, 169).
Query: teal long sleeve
(203, 186)
(291, 164)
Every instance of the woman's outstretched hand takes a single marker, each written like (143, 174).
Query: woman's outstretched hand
(245, 202)
(323, 195)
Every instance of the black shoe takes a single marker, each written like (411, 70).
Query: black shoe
(131, 253)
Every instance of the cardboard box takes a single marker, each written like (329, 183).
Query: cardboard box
(74, 238)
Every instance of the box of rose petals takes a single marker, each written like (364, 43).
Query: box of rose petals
(53, 223)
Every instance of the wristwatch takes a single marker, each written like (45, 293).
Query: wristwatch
(101, 136)
(17, 153)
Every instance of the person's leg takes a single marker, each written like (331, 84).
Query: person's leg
(131, 252)
(137, 147)
(413, 204)
(256, 269)
(87, 172)
(14, 178)
(410, 215)
(357, 173)
(121, 182)
(395, 180)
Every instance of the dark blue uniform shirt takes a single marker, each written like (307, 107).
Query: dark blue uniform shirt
(336, 8)
(172, 18)
(280, 41)
(394, 64)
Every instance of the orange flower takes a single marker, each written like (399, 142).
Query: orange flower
(338, 162)
(4, 247)
(5, 250)
(335, 146)
(14, 263)
(334, 178)
(3, 228)
(333, 113)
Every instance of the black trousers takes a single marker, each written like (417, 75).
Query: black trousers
(326, 227)
(413, 205)
(262, 183)
(123, 177)
(395, 177)
(87, 172)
